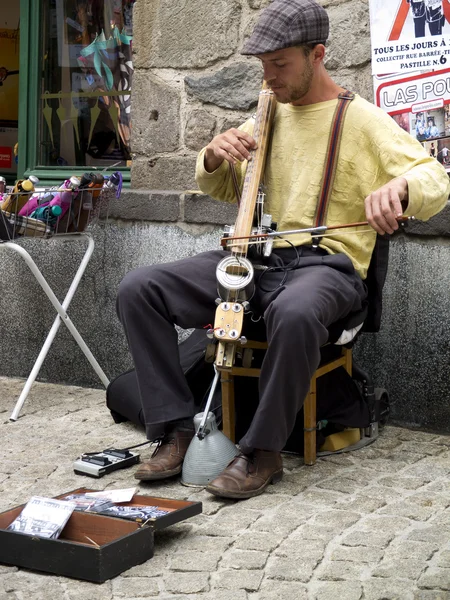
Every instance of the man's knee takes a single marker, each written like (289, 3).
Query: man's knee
(137, 285)
(292, 319)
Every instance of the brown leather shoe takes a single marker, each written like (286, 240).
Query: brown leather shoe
(248, 475)
(167, 459)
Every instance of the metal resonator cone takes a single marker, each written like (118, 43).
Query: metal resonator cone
(206, 458)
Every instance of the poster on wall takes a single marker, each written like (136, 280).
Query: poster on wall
(420, 104)
(409, 35)
(9, 76)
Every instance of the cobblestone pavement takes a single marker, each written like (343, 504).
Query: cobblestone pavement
(374, 524)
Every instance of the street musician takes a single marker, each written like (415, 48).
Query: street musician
(381, 173)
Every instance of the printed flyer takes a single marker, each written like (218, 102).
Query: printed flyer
(420, 104)
(409, 35)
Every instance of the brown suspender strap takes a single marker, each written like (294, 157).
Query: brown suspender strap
(332, 156)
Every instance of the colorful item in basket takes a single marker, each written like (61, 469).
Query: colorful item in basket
(43, 517)
(36, 200)
(115, 182)
(59, 196)
(67, 193)
(91, 186)
(25, 226)
(48, 214)
(19, 196)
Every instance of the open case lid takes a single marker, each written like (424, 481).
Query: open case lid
(178, 510)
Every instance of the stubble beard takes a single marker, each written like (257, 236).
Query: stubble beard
(297, 92)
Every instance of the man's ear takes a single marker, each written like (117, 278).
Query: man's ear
(318, 53)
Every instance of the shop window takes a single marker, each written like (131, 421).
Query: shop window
(83, 90)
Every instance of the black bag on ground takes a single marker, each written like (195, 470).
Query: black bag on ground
(339, 400)
(122, 394)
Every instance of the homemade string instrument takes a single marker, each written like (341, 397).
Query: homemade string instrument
(235, 275)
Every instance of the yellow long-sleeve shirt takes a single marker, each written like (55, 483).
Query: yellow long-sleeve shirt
(374, 150)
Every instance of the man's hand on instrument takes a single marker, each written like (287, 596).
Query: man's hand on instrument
(233, 145)
(384, 206)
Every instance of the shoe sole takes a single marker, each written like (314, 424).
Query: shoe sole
(158, 476)
(276, 477)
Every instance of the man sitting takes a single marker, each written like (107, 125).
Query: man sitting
(381, 174)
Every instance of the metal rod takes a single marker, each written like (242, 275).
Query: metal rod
(317, 230)
(201, 430)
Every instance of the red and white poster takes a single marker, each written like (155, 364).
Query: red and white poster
(409, 35)
(420, 104)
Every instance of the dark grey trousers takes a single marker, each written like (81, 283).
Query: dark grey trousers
(298, 305)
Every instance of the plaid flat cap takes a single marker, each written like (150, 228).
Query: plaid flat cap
(286, 23)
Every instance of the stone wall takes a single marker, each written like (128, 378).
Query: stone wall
(191, 82)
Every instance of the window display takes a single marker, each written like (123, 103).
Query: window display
(87, 81)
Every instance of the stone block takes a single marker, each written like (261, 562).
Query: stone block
(409, 510)
(194, 561)
(384, 524)
(340, 571)
(431, 595)
(186, 583)
(135, 205)
(144, 32)
(356, 554)
(238, 580)
(433, 533)
(135, 587)
(282, 590)
(199, 129)
(164, 173)
(190, 36)
(251, 540)
(244, 559)
(156, 116)
(296, 544)
(200, 208)
(404, 483)
(435, 578)
(348, 21)
(235, 87)
(409, 568)
(344, 590)
(362, 504)
(407, 549)
(285, 519)
(388, 589)
(287, 569)
(336, 518)
(342, 484)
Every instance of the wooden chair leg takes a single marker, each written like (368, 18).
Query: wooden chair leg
(310, 424)
(228, 414)
(348, 360)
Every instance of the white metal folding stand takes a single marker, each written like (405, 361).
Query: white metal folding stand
(61, 309)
